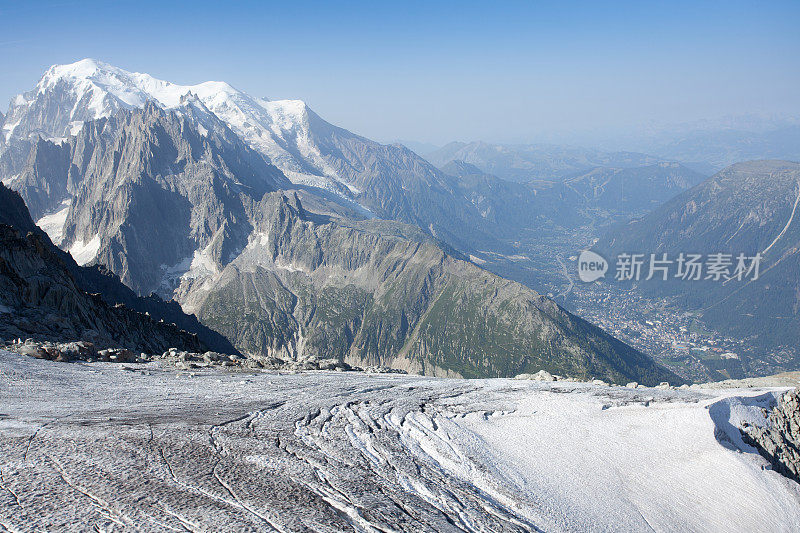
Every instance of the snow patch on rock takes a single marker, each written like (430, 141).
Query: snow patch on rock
(85, 251)
(53, 223)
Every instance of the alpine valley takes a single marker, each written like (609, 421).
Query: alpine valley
(748, 208)
(292, 238)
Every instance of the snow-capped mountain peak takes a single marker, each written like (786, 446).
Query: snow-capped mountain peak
(131, 88)
(68, 95)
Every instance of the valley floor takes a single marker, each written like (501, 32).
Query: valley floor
(146, 447)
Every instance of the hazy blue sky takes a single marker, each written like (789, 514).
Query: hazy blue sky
(439, 71)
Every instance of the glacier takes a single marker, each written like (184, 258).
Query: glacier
(150, 447)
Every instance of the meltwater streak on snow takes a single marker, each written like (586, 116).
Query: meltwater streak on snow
(216, 450)
(83, 252)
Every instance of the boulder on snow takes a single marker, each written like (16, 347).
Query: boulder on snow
(117, 355)
(778, 441)
(80, 350)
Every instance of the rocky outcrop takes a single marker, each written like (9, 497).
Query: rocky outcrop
(779, 440)
(14, 213)
(87, 352)
(98, 280)
(39, 298)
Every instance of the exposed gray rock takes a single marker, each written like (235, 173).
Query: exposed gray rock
(78, 350)
(153, 191)
(39, 298)
(48, 178)
(69, 351)
(117, 355)
(383, 370)
(779, 440)
(98, 280)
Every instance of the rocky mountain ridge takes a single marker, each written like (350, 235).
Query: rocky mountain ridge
(377, 293)
(39, 297)
(779, 440)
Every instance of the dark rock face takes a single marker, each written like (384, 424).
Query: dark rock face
(98, 280)
(779, 442)
(40, 298)
(14, 213)
(47, 178)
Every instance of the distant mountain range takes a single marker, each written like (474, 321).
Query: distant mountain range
(531, 162)
(633, 190)
(709, 146)
(291, 237)
(704, 146)
(602, 193)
